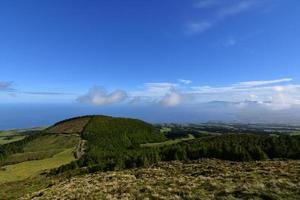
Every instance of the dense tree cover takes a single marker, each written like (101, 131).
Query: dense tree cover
(18, 146)
(114, 143)
(180, 133)
(110, 138)
(236, 147)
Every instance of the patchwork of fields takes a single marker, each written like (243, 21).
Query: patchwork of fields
(41, 154)
(10, 136)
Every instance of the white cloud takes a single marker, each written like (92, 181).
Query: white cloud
(275, 97)
(98, 96)
(173, 98)
(154, 89)
(273, 94)
(184, 81)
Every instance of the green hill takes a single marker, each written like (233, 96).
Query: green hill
(111, 142)
(100, 139)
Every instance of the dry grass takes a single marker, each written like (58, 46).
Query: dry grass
(73, 126)
(203, 179)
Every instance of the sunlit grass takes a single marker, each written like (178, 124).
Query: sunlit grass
(10, 136)
(27, 169)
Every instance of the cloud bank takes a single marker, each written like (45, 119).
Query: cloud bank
(272, 101)
(276, 94)
(269, 96)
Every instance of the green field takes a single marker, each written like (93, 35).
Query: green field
(169, 142)
(43, 153)
(43, 147)
(165, 129)
(27, 169)
(10, 136)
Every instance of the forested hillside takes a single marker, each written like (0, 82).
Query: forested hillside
(118, 143)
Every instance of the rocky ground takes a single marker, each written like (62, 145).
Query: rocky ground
(202, 179)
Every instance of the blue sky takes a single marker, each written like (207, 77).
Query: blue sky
(169, 55)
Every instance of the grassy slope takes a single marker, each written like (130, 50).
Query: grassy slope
(10, 136)
(202, 179)
(5, 140)
(27, 169)
(47, 142)
(44, 147)
(74, 125)
(43, 153)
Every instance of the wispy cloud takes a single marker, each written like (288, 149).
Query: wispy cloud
(197, 27)
(218, 11)
(5, 86)
(208, 3)
(230, 42)
(14, 92)
(264, 82)
(235, 8)
(46, 93)
(185, 81)
(99, 96)
(154, 89)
